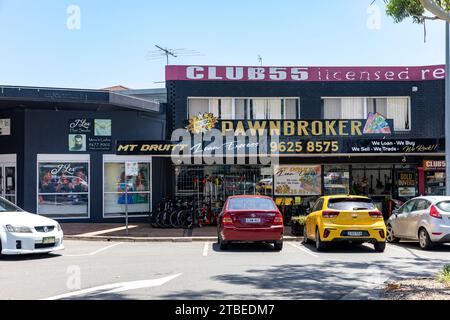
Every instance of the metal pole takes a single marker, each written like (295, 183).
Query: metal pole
(447, 107)
(126, 205)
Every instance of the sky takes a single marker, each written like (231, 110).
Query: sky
(99, 43)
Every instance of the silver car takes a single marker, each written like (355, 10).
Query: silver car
(426, 219)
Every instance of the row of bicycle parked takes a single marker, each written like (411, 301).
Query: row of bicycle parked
(184, 214)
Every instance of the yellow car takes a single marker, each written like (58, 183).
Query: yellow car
(345, 218)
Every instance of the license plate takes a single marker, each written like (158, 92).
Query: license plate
(253, 220)
(355, 233)
(48, 240)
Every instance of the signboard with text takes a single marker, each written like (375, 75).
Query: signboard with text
(303, 74)
(89, 135)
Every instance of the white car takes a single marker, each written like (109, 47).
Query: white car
(25, 233)
(426, 219)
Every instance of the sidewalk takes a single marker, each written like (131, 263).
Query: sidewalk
(141, 232)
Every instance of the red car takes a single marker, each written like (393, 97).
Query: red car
(250, 219)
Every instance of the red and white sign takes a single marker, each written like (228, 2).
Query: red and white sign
(299, 74)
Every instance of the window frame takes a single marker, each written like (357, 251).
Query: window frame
(366, 113)
(64, 158)
(248, 109)
(111, 158)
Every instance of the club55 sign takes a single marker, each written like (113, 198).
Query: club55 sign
(299, 74)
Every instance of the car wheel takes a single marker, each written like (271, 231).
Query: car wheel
(424, 240)
(379, 246)
(305, 236)
(320, 245)
(390, 237)
(222, 244)
(278, 245)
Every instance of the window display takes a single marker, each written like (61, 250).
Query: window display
(63, 189)
(336, 180)
(121, 190)
(297, 180)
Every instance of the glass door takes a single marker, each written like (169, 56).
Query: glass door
(8, 181)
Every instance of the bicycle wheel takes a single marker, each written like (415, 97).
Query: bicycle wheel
(161, 218)
(185, 219)
(153, 219)
(174, 219)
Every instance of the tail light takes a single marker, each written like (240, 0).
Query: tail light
(226, 220)
(330, 214)
(278, 219)
(376, 214)
(434, 212)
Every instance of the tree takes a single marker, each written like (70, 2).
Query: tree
(400, 10)
(421, 11)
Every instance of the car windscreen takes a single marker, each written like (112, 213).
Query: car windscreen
(236, 204)
(6, 206)
(444, 206)
(351, 204)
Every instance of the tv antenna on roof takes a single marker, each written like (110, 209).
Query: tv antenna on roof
(162, 52)
(260, 60)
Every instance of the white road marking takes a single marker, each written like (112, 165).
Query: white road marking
(94, 252)
(206, 249)
(97, 233)
(410, 251)
(302, 248)
(116, 287)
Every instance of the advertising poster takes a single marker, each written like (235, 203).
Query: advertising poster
(89, 135)
(298, 180)
(5, 127)
(406, 184)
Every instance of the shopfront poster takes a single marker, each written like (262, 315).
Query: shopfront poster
(5, 127)
(407, 186)
(298, 180)
(89, 135)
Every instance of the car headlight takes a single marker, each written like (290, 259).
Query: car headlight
(18, 229)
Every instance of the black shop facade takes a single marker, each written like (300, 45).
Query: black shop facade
(372, 131)
(58, 159)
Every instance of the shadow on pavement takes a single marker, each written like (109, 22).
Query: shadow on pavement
(245, 248)
(327, 280)
(27, 257)
(344, 247)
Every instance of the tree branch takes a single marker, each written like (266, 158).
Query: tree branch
(435, 9)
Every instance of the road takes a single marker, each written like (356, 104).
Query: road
(107, 270)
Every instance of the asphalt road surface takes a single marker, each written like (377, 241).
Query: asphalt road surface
(108, 270)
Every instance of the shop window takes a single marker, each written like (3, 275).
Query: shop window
(245, 108)
(291, 109)
(396, 108)
(336, 180)
(121, 191)
(198, 106)
(241, 106)
(63, 187)
(435, 183)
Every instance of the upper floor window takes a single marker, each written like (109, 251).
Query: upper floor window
(246, 108)
(396, 108)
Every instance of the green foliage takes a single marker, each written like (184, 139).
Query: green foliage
(444, 275)
(400, 10)
(301, 220)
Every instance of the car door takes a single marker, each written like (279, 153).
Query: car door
(401, 222)
(311, 221)
(413, 218)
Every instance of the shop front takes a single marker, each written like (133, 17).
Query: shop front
(58, 154)
(363, 133)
